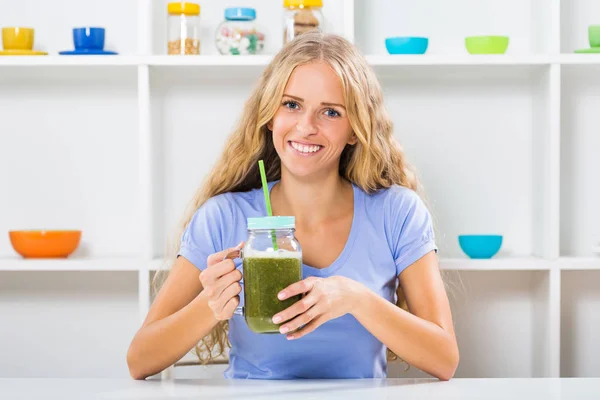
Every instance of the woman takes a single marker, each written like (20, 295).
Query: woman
(317, 119)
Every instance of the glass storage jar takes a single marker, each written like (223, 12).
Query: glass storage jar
(272, 260)
(300, 16)
(183, 26)
(239, 33)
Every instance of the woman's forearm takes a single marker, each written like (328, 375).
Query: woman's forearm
(161, 343)
(419, 342)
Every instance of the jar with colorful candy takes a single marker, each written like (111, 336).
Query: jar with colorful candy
(239, 34)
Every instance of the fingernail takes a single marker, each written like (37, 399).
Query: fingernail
(276, 320)
(290, 337)
(284, 329)
(281, 295)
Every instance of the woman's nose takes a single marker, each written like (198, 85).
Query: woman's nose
(306, 125)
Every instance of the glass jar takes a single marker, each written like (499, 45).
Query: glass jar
(272, 260)
(183, 28)
(300, 16)
(239, 33)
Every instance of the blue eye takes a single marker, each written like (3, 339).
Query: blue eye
(292, 105)
(332, 113)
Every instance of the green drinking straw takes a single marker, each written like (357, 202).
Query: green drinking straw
(265, 186)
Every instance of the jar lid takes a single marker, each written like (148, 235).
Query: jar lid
(303, 3)
(240, 14)
(183, 8)
(272, 223)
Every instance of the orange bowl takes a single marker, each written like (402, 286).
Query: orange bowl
(44, 244)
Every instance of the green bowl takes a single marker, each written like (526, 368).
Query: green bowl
(486, 44)
(591, 50)
(594, 35)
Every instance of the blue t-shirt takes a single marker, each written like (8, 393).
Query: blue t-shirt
(391, 229)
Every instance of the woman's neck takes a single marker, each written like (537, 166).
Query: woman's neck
(312, 201)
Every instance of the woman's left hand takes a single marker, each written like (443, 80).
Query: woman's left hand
(325, 299)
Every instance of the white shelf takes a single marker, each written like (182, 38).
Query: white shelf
(497, 264)
(451, 264)
(445, 60)
(580, 59)
(209, 61)
(74, 264)
(65, 61)
(579, 263)
(521, 264)
(263, 60)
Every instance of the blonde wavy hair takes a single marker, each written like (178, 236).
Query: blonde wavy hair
(377, 160)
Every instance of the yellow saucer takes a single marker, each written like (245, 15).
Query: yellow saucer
(22, 53)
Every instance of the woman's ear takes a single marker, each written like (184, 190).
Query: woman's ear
(353, 139)
(270, 125)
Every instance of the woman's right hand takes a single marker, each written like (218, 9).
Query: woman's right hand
(221, 283)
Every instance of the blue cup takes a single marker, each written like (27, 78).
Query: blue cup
(88, 38)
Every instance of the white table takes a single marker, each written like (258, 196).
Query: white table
(401, 389)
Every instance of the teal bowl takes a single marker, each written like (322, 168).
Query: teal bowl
(406, 45)
(480, 246)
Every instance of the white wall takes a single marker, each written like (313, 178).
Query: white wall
(68, 146)
(66, 324)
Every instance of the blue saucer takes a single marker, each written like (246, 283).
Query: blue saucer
(83, 52)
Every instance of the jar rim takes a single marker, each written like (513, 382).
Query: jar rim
(277, 222)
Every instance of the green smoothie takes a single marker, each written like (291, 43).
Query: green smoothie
(264, 278)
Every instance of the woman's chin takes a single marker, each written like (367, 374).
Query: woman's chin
(304, 171)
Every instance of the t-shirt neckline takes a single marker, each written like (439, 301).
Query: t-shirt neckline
(348, 247)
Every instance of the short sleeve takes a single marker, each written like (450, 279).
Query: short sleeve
(203, 235)
(409, 227)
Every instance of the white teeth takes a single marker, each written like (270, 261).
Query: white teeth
(305, 148)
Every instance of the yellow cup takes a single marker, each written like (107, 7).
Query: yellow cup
(17, 38)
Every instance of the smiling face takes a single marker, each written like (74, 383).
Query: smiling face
(311, 127)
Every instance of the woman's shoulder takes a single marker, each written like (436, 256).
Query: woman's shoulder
(395, 203)
(234, 202)
(395, 195)
(225, 210)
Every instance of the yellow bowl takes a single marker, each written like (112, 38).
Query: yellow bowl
(45, 244)
(17, 38)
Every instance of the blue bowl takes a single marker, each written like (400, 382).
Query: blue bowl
(480, 246)
(88, 38)
(406, 45)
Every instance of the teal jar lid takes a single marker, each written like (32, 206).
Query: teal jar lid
(240, 14)
(272, 223)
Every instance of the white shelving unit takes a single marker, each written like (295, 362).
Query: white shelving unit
(262, 60)
(116, 146)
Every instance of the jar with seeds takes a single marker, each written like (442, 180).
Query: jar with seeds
(183, 25)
